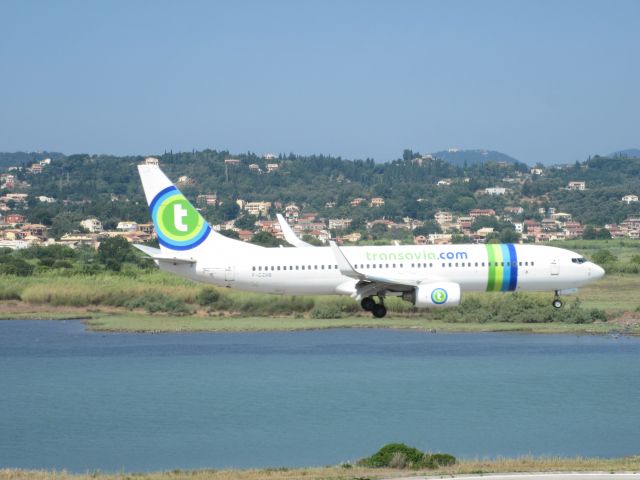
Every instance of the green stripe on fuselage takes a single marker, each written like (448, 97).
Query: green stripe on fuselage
(499, 258)
(495, 260)
(491, 279)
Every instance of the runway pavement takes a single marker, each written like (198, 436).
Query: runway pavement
(537, 476)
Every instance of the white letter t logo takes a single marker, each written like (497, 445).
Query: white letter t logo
(178, 214)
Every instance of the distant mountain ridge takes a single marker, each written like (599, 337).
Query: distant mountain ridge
(629, 152)
(458, 157)
(17, 159)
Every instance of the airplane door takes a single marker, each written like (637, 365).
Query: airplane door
(229, 274)
(555, 267)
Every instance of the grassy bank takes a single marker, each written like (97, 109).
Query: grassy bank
(165, 324)
(145, 299)
(155, 301)
(522, 464)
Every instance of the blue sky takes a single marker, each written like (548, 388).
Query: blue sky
(549, 81)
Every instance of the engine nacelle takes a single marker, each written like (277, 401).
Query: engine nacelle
(436, 295)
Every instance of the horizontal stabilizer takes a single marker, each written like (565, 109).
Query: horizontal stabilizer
(157, 255)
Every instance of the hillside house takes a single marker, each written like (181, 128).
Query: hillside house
(207, 199)
(443, 218)
(91, 225)
(257, 208)
(377, 202)
(630, 199)
(339, 223)
(577, 186)
(496, 191)
(127, 226)
(480, 212)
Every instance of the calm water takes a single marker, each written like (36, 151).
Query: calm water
(78, 400)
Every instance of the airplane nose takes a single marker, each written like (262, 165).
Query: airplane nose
(597, 271)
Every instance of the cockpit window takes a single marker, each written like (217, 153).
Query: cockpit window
(579, 260)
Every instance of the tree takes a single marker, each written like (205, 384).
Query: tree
(265, 239)
(246, 222)
(113, 252)
(230, 233)
(428, 228)
(509, 235)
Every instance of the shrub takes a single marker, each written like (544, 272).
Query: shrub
(394, 452)
(399, 455)
(327, 311)
(208, 296)
(15, 266)
(442, 459)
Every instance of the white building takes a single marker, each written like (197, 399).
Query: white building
(127, 226)
(152, 161)
(577, 186)
(495, 191)
(443, 218)
(257, 208)
(92, 225)
(630, 198)
(339, 223)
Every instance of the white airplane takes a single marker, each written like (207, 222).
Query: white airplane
(427, 276)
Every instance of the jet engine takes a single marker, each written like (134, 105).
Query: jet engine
(435, 295)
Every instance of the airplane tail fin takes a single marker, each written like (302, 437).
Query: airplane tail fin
(178, 225)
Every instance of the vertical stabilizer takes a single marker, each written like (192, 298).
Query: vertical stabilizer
(178, 225)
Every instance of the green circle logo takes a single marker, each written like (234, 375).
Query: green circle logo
(178, 225)
(439, 296)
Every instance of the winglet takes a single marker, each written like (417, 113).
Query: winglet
(289, 236)
(343, 264)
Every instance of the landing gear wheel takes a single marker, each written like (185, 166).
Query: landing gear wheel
(367, 304)
(557, 303)
(379, 310)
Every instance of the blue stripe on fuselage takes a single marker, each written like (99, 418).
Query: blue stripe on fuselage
(506, 275)
(513, 279)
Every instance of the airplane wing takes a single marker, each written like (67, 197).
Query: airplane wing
(289, 236)
(371, 284)
(156, 254)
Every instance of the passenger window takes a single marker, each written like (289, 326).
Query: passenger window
(449, 264)
(278, 267)
(302, 267)
(526, 264)
(532, 264)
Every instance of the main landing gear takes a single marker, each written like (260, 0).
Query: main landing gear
(377, 309)
(557, 303)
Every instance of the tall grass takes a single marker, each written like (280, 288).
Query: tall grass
(157, 291)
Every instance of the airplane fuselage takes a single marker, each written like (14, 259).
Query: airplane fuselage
(492, 267)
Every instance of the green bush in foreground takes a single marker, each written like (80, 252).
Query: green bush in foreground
(399, 455)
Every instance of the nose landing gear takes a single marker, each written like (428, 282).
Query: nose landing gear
(377, 309)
